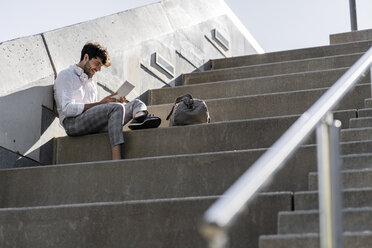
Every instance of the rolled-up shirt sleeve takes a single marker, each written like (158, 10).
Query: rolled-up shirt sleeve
(64, 93)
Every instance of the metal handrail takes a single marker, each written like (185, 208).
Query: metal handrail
(220, 216)
(353, 15)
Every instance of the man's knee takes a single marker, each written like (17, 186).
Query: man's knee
(115, 106)
(137, 102)
(137, 106)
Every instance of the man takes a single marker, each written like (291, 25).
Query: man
(81, 113)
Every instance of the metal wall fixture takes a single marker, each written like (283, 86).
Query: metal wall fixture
(164, 64)
(221, 39)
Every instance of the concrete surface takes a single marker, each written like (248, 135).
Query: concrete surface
(352, 198)
(156, 199)
(133, 36)
(361, 122)
(313, 64)
(307, 221)
(298, 54)
(352, 178)
(250, 86)
(30, 64)
(359, 35)
(357, 161)
(365, 112)
(23, 62)
(351, 240)
(354, 134)
(267, 105)
(148, 178)
(9, 159)
(232, 135)
(166, 223)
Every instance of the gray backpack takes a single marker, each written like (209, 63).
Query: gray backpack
(188, 111)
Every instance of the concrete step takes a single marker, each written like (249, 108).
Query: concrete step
(149, 178)
(357, 161)
(354, 134)
(298, 54)
(311, 240)
(365, 112)
(307, 221)
(155, 223)
(267, 105)
(352, 198)
(356, 147)
(368, 103)
(361, 35)
(296, 66)
(212, 137)
(354, 178)
(250, 86)
(362, 122)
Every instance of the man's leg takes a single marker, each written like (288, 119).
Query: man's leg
(133, 109)
(98, 119)
(116, 152)
(137, 111)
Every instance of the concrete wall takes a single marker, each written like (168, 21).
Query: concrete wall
(180, 31)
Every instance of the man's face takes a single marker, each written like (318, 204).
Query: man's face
(92, 66)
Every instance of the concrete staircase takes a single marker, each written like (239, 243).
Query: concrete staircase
(171, 175)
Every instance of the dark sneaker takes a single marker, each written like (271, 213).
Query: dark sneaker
(144, 121)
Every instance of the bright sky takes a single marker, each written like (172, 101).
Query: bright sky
(276, 24)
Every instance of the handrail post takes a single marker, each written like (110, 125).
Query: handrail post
(353, 15)
(215, 236)
(370, 74)
(329, 182)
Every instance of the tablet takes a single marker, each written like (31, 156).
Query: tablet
(124, 90)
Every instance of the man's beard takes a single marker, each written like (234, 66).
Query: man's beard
(88, 69)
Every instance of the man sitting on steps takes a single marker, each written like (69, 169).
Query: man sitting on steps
(81, 113)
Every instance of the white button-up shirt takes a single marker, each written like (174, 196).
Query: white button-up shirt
(72, 90)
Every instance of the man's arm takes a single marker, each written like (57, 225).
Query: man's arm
(105, 100)
(64, 96)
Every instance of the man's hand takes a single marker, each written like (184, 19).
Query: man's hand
(110, 98)
(105, 100)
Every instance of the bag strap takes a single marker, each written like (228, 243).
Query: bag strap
(170, 113)
(180, 98)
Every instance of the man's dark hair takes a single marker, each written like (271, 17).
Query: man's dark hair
(94, 50)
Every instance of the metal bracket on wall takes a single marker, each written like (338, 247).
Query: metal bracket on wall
(164, 64)
(221, 39)
(220, 42)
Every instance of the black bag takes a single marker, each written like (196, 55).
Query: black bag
(188, 111)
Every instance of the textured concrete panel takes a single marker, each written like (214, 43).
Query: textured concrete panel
(151, 223)
(21, 125)
(25, 85)
(351, 198)
(312, 240)
(351, 36)
(9, 159)
(297, 54)
(249, 86)
(354, 220)
(149, 178)
(175, 29)
(117, 32)
(286, 67)
(132, 37)
(223, 136)
(23, 62)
